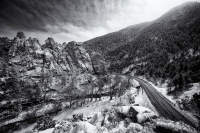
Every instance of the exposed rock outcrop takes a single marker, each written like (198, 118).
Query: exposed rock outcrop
(52, 62)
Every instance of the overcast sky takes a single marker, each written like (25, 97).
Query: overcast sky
(76, 20)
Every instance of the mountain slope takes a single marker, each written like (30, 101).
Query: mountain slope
(108, 42)
(167, 47)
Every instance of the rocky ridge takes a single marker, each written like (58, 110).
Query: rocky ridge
(51, 64)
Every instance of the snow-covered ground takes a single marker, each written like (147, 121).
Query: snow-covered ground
(194, 89)
(95, 112)
(95, 108)
(50, 130)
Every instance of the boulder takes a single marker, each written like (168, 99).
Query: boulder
(136, 113)
(77, 117)
(97, 119)
(134, 128)
(133, 114)
(64, 127)
(84, 127)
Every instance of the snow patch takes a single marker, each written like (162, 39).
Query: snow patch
(50, 130)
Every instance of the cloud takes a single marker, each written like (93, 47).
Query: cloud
(79, 20)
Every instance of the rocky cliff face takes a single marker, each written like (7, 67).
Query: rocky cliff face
(53, 63)
(77, 57)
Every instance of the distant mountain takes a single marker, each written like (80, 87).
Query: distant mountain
(167, 48)
(109, 42)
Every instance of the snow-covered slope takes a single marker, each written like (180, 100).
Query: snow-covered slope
(103, 117)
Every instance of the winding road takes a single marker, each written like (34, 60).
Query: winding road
(162, 105)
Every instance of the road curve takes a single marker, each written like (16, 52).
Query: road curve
(161, 104)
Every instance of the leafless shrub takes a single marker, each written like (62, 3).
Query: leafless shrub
(30, 117)
(131, 98)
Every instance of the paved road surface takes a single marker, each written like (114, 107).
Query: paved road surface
(161, 104)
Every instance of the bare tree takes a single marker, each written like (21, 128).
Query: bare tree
(123, 87)
(100, 85)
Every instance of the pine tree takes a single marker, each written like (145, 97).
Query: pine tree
(4, 70)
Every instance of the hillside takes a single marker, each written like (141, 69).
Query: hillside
(40, 79)
(166, 48)
(110, 41)
(108, 84)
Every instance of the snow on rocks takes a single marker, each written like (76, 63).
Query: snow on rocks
(77, 127)
(106, 120)
(64, 127)
(134, 83)
(141, 109)
(134, 128)
(142, 115)
(50, 130)
(85, 127)
(96, 119)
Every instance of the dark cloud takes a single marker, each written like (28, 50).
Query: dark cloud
(77, 20)
(52, 16)
(36, 14)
